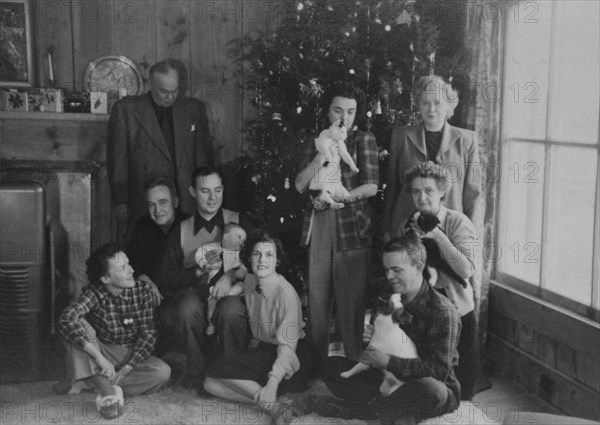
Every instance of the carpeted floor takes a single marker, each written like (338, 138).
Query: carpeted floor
(35, 403)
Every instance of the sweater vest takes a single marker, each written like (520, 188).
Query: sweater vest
(190, 242)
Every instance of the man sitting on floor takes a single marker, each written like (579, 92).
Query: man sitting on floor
(183, 314)
(430, 387)
(110, 333)
(151, 232)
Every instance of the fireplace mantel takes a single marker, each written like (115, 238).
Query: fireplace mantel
(66, 153)
(47, 136)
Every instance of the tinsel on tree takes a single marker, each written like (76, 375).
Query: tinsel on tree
(382, 46)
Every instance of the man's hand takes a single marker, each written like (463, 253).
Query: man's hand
(368, 333)
(106, 368)
(375, 358)
(122, 373)
(156, 295)
(222, 287)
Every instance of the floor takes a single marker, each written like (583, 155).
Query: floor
(35, 403)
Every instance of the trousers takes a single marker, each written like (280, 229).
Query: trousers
(146, 377)
(339, 274)
(414, 401)
(183, 323)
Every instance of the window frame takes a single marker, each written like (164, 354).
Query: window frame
(591, 311)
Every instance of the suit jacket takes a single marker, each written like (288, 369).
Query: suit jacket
(458, 155)
(137, 151)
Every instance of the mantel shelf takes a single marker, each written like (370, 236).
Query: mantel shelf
(56, 116)
(49, 136)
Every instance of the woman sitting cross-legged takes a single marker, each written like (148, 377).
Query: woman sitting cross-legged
(279, 358)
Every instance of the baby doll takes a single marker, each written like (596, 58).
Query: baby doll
(327, 182)
(230, 246)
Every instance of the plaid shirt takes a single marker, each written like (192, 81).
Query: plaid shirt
(117, 319)
(435, 330)
(355, 229)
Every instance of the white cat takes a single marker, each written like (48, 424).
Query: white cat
(389, 338)
(326, 185)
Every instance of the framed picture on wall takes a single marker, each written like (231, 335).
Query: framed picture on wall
(16, 44)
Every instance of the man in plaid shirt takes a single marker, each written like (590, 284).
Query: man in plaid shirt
(340, 239)
(430, 386)
(110, 332)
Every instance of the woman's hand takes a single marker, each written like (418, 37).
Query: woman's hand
(416, 229)
(318, 205)
(347, 199)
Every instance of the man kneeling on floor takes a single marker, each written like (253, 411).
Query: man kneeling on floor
(430, 386)
(110, 333)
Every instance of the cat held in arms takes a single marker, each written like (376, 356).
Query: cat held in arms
(389, 338)
(327, 185)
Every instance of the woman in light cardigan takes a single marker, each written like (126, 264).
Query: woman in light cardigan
(451, 245)
(278, 359)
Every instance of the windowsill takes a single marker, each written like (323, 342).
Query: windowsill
(549, 300)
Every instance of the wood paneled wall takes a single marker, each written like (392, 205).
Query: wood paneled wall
(551, 351)
(197, 32)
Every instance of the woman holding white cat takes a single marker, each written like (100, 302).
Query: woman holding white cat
(339, 239)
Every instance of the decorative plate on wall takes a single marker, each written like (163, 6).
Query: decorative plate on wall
(116, 73)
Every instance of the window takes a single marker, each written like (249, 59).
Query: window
(548, 217)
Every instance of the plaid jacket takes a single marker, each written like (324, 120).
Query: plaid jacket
(355, 229)
(117, 319)
(435, 329)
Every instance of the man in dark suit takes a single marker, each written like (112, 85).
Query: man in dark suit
(156, 134)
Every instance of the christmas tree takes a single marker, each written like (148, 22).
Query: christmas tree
(382, 46)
